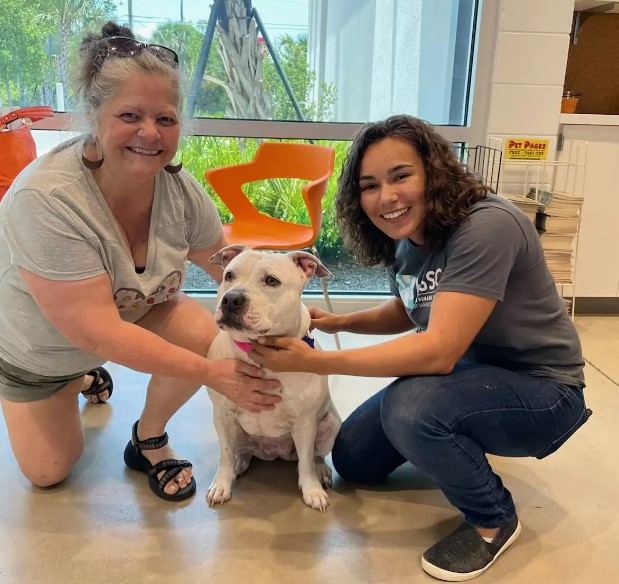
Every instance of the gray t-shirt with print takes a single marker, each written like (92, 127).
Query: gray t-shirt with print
(496, 253)
(55, 223)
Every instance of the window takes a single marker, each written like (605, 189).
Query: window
(280, 198)
(275, 69)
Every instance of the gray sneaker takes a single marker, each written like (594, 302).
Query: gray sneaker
(465, 554)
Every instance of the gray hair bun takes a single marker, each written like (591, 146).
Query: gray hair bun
(89, 47)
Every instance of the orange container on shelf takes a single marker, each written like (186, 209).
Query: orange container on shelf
(569, 102)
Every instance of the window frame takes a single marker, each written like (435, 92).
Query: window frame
(473, 133)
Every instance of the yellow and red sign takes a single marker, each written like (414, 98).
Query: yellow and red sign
(526, 149)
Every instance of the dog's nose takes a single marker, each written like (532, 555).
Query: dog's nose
(233, 301)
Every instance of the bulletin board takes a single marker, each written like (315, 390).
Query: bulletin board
(593, 65)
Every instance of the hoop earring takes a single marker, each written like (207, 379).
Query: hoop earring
(91, 164)
(173, 168)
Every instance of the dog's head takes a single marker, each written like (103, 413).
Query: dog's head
(261, 291)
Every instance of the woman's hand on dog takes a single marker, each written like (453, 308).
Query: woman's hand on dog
(284, 354)
(324, 321)
(241, 383)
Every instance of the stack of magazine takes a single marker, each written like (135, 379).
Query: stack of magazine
(557, 223)
(527, 206)
(556, 216)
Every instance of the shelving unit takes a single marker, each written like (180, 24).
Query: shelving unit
(594, 5)
(544, 177)
(588, 120)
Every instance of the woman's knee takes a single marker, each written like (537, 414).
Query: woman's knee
(347, 464)
(195, 325)
(46, 436)
(184, 322)
(46, 477)
(362, 453)
(51, 471)
(354, 469)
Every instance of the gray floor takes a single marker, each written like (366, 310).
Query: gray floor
(104, 525)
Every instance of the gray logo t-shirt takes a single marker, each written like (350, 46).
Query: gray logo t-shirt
(496, 253)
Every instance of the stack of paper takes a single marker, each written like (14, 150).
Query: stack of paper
(559, 253)
(526, 205)
(558, 225)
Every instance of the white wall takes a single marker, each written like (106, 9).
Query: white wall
(529, 70)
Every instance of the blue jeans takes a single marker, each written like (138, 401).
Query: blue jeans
(445, 425)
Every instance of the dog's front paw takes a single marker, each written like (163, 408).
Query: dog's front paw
(316, 498)
(219, 492)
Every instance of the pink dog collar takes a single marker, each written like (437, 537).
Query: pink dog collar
(246, 347)
(243, 346)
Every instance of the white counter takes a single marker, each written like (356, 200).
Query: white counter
(588, 120)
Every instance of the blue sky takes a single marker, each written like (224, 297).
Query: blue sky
(279, 16)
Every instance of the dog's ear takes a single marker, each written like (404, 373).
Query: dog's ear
(310, 265)
(225, 255)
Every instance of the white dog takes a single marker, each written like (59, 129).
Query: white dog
(261, 295)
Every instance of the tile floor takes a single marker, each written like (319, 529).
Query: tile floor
(104, 526)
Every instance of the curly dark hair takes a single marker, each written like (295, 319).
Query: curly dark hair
(450, 189)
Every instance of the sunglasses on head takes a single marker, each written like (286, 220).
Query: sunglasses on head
(119, 46)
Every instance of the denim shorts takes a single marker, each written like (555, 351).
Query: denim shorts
(22, 386)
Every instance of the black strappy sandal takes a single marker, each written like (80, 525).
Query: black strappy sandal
(135, 460)
(96, 388)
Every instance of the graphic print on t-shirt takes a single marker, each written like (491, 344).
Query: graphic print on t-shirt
(166, 289)
(418, 292)
(128, 298)
(132, 298)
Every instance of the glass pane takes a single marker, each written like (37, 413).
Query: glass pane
(280, 198)
(319, 60)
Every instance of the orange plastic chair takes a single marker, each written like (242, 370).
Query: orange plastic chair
(276, 160)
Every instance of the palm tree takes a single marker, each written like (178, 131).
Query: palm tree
(69, 17)
(242, 58)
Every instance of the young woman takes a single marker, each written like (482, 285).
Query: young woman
(492, 363)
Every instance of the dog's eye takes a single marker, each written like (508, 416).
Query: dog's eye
(228, 276)
(272, 281)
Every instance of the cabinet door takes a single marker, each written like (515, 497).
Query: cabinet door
(597, 262)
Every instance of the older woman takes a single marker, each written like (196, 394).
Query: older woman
(94, 239)
(495, 364)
